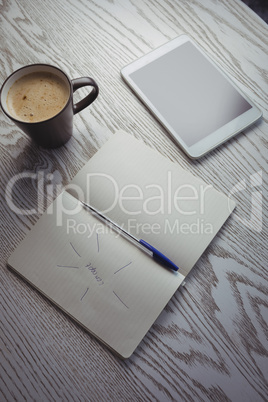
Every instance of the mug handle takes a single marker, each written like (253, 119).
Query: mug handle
(82, 82)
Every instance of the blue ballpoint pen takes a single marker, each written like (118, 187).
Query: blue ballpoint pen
(156, 254)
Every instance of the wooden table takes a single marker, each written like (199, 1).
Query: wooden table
(210, 342)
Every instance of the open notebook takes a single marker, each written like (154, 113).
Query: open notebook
(106, 283)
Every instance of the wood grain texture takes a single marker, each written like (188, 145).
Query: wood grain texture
(210, 342)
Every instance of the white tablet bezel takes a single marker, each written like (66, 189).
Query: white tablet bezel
(214, 139)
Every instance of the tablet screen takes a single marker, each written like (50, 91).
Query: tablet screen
(190, 93)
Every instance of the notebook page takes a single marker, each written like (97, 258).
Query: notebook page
(153, 198)
(96, 276)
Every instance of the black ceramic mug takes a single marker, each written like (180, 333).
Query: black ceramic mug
(57, 129)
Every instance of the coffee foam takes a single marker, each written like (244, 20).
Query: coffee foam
(37, 97)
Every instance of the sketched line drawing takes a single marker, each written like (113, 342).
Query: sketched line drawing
(75, 267)
(123, 267)
(120, 299)
(75, 249)
(84, 294)
(98, 244)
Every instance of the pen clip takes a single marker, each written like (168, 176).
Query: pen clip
(158, 256)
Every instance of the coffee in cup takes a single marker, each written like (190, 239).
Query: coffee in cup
(36, 97)
(39, 99)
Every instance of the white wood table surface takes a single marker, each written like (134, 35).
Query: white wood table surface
(210, 342)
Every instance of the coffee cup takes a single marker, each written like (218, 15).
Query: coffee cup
(38, 98)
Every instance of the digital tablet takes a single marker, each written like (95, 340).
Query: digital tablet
(190, 95)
